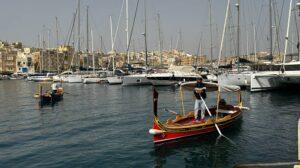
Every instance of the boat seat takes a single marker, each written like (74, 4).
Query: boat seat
(225, 111)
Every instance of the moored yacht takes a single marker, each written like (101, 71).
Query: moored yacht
(136, 79)
(40, 77)
(239, 78)
(99, 77)
(116, 78)
(63, 77)
(174, 75)
(279, 77)
(69, 77)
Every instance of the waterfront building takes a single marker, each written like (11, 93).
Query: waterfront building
(8, 54)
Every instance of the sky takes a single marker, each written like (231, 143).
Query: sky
(25, 20)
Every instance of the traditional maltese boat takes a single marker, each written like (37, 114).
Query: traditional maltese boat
(51, 96)
(217, 117)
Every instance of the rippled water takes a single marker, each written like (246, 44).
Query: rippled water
(107, 126)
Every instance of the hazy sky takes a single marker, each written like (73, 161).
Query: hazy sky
(23, 20)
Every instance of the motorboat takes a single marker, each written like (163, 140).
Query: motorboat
(99, 77)
(63, 77)
(136, 79)
(174, 75)
(41, 77)
(282, 75)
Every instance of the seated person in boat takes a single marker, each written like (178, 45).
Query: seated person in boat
(55, 87)
(199, 92)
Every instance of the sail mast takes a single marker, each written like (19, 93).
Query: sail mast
(127, 30)
(112, 43)
(223, 34)
(87, 37)
(57, 44)
(145, 34)
(159, 40)
(271, 30)
(287, 33)
(210, 30)
(238, 34)
(255, 50)
(93, 54)
(78, 34)
(78, 26)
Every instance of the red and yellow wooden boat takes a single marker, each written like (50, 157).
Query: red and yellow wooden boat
(184, 125)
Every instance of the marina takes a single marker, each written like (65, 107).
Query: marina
(91, 125)
(139, 84)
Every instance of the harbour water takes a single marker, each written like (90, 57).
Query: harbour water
(107, 126)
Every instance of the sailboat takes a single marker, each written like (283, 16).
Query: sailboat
(70, 76)
(284, 74)
(174, 75)
(139, 79)
(236, 76)
(118, 79)
(114, 79)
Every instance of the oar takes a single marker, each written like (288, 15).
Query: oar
(171, 111)
(216, 125)
(70, 94)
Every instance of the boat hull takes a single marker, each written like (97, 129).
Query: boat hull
(136, 80)
(74, 79)
(238, 79)
(201, 130)
(93, 80)
(115, 80)
(45, 100)
(263, 81)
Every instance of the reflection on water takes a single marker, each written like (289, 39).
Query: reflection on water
(107, 126)
(205, 150)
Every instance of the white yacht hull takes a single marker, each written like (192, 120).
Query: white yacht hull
(163, 82)
(115, 80)
(238, 79)
(291, 77)
(262, 81)
(39, 79)
(136, 80)
(212, 78)
(269, 80)
(60, 79)
(74, 79)
(93, 80)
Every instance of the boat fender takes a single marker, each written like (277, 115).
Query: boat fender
(155, 131)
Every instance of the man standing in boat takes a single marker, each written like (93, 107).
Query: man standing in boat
(199, 92)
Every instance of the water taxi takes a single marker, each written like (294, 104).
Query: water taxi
(217, 117)
(51, 96)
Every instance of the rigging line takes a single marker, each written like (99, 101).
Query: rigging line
(259, 20)
(116, 33)
(297, 31)
(72, 28)
(277, 26)
(95, 26)
(132, 28)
